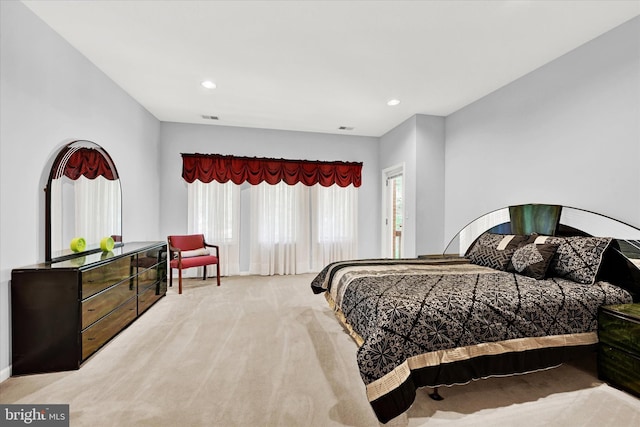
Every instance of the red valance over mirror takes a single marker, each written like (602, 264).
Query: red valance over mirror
(74, 162)
(217, 167)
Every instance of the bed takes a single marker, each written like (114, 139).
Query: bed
(514, 303)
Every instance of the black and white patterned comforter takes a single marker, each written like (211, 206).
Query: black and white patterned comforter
(413, 318)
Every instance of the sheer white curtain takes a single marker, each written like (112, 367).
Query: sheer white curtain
(61, 232)
(93, 196)
(279, 229)
(214, 210)
(335, 224)
(293, 229)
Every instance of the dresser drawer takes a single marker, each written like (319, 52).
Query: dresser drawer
(103, 303)
(147, 260)
(619, 368)
(620, 332)
(147, 278)
(103, 330)
(99, 278)
(148, 297)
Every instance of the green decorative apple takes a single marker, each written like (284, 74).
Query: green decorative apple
(78, 244)
(107, 244)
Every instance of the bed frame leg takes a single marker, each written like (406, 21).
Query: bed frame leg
(435, 395)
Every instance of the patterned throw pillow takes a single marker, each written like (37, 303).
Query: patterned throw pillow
(495, 250)
(490, 257)
(533, 260)
(577, 258)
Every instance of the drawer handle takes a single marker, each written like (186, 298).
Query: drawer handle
(90, 338)
(91, 309)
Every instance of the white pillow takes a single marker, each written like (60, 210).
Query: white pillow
(195, 252)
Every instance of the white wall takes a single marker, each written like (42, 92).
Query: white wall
(398, 147)
(419, 144)
(567, 133)
(51, 94)
(430, 151)
(177, 138)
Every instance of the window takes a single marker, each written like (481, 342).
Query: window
(335, 224)
(294, 229)
(279, 229)
(214, 210)
(279, 212)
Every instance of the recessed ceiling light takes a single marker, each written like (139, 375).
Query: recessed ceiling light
(208, 84)
(393, 102)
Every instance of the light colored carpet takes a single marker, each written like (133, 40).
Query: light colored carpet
(265, 351)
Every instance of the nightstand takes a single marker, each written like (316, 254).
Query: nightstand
(619, 347)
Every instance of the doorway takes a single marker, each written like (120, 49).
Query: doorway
(393, 212)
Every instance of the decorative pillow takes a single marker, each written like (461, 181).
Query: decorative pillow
(501, 241)
(577, 258)
(533, 260)
(490, 257)
(195, 252)
(495, 250)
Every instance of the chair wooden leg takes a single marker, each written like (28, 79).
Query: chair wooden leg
(218, 272)
(204, 272)
(170, 277)
(179, 280)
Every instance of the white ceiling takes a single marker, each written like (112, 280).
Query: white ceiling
(318, 65)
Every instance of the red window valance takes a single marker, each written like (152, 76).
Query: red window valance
(210, 167)
(75, 162)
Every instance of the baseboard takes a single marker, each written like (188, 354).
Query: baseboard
(5, 374)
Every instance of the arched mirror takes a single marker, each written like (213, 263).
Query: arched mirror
(83, 200)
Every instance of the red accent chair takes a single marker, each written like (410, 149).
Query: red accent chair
(189, 245)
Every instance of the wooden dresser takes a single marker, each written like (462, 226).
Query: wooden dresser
(619, 347)
(63, 312)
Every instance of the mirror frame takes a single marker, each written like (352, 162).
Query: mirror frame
(57, 171)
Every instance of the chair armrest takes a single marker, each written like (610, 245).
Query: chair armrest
(173, 249)
(217, 248)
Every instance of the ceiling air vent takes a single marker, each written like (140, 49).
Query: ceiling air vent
(345, 128)
(210, 117)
